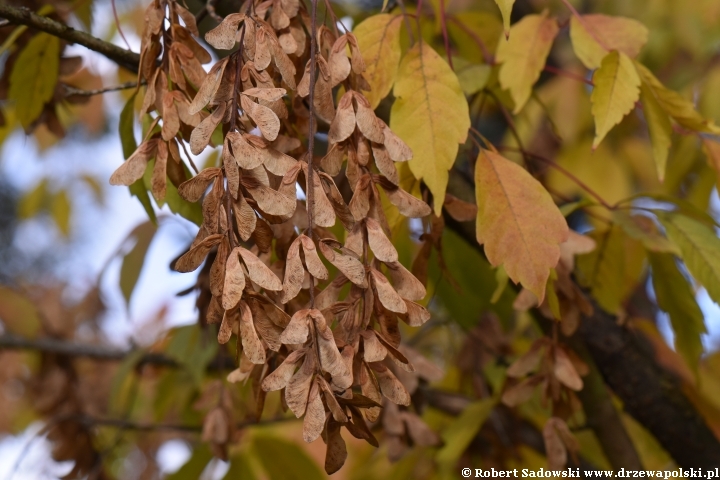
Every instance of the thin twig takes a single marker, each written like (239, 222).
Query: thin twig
(585, 25)
(210, 8)
(565, 73)
(487, 56)
(408, 27)
(75, 92)
(24, 16)
(446, 39)
(311, 135)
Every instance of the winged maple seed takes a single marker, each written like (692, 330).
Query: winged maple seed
(274, 276)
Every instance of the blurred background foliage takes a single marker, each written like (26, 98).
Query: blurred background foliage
(74, 257)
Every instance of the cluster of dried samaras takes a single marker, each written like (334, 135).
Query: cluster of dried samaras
(335, 358)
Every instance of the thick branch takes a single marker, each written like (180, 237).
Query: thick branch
(24, 16)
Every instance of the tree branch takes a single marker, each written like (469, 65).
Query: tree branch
(23, 16)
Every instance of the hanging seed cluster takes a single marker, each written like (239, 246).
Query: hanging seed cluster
(327, 337)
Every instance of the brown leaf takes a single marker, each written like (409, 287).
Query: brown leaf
(159, 175)
(405, 282)
(209, 86)
(407, 204)
(390, 386)
(265, 119)
(336, 450)
(332, 161)
(226, 326)
(460, 210)
(298, 388)
(313, 263)
(194, 257)
(223, 36)
(294, 272)
(338, 62)
(333, 405)
(416, 314)
(232, 172)
(521, 392)
(244, 217)
(246, 155)
(386, 293)
(374, 351)
(171, 121)
(380, 244)
(529, 362)
(564, 371)
(343, 125)
(259, 272)
(396, 148)
(366, 120)
(267, 94)
(200, 136)
(360, 202)
(384, 164)
(314, 415)
(268, 200)
(322, 210)
(234, 280)
(419, 432)
(216, 427)
(347, 264)
(217, 271)
(252, 346)
(134, 167)
(297, 330)
(554, 447)
(280, 377)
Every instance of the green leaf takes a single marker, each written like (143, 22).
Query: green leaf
(193, 348)
(240, 468)
(643, 229)
(193, 468)
(134, 260)
(431, 115)
(458, 435)
(122, 383)
(126, 127)
(700, 249)
(676, 298)
(60, 211)
(617, 88)
(660, 129)
(505, 7)
(283, 459)
(473, 78)
(129, 145)
(84, 12)
(33, 201)
(177, 204)
(18, 314)
(34, 76)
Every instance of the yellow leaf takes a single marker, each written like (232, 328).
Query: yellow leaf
(33, 201)
(475, 34)
(660, 129)
(505, 7)
(60, 211)
(33, 78)
(379, 41)
(517, 221)
(616, 33)
(523, 55)
(712, 150)
(431, 115)
(612, 270)
(680, 109)
(617, 88)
